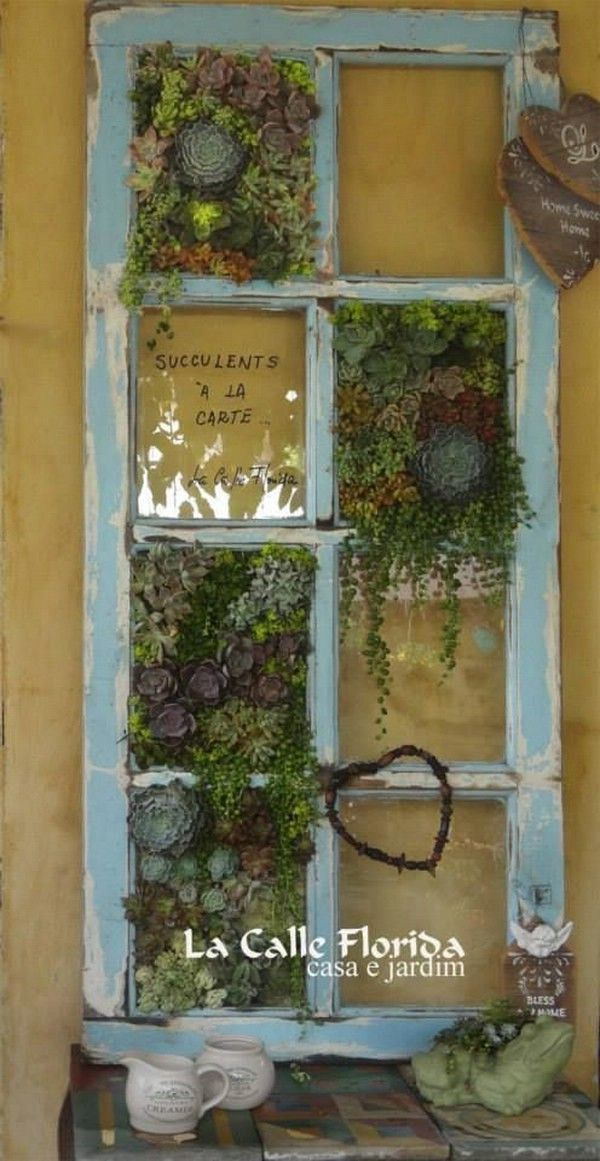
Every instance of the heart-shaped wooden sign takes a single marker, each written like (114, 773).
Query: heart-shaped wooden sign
(567, 143)
(561, 230)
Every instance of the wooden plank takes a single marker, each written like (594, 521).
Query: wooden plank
(372, 289)
(395, 1036)
(455, 33)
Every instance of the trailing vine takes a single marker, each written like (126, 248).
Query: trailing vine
(497, 1024)
(219, 691)
(222, 170)
(428, 474)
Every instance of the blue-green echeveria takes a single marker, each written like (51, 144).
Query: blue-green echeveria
(223, 863)
(452, 465)
(213, 900)
(155, 868)
(184, 870)
(164, 819)
(208, 158)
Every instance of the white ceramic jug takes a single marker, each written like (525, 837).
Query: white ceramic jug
(165, 1094)
(251, 1072)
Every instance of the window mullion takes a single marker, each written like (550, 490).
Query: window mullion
(322, 403)
(322, 873)
(325, 161)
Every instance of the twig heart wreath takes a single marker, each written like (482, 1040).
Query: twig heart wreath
(339, 777)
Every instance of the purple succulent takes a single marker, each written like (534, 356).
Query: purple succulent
(253, 96)
(215, 74)
(171, 723)
(238, 656)
(289, 646)
(263, 75)
(157, 683)
(205, 682)
(269, 690)
(262, 652)
(298, 113)
(277, 137)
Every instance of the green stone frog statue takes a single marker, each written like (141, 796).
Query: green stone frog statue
(516, 1078)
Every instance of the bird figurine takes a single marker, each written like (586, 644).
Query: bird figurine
(543, 940)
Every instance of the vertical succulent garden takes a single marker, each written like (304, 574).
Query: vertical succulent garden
(429, 478)
(222, 170)
(219, 689)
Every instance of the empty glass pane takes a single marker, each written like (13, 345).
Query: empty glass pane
(221, 415)
(418, 151)
(460, 715)
(464, 902)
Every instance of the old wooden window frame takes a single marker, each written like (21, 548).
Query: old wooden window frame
(524, 46)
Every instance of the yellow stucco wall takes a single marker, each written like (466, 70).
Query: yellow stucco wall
(40, 365)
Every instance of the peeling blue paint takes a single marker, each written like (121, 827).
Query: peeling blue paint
(533, 801)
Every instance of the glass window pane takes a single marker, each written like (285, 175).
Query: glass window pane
(466, 900)
(418, 150)
(221, 415)
(460, 716)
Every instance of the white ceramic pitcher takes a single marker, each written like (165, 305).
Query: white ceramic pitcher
(250, 1070)
(165, 1094)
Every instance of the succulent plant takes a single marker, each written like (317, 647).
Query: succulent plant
(269, 689)
(205, 682)
(184, 870)
(155, 868)
(208, 158)
(238, 656)
(171, 723)
(452, 465)
(223, 863)
(244, 985)
(254, 821)
(164, 819)
(290, 646)
(262, 651)
(214, 71)
(471, 408)
(213, 899)
(447, 381)
(163, 579)
(158, 912)
(281, 583)
(188, 893)
(173, 983)
(215, 998)
(258, 861)
(148, 156)
(252, 731)
(155, 682)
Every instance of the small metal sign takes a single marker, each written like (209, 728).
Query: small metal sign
(544, 984)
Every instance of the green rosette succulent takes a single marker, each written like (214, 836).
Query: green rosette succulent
(155, 868)
(452, 465)
(184, 870)
(164, 819)
(213, 900)
(223, 863)
(208, 158)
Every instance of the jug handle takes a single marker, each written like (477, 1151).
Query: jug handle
(205, 1068)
